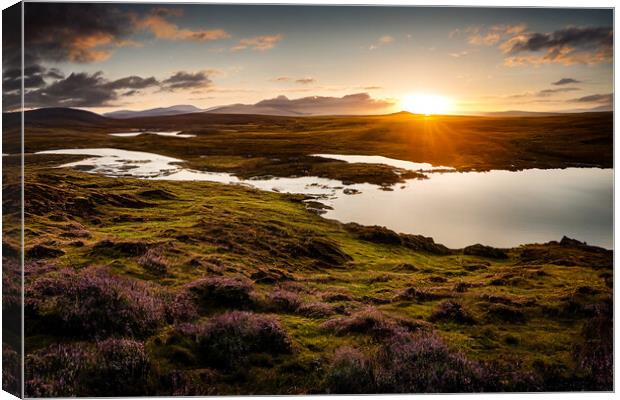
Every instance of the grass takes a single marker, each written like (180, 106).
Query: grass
(228, 248)
(320, 306)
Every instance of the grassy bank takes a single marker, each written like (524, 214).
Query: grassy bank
(202, 288)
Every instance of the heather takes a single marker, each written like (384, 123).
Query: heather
(93, 303)
(226, 340)
(206, 289)
(112, 367)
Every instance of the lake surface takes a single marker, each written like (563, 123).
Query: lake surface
(166, 134)
(497, 208)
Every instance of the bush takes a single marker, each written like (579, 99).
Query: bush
(11, 370)
(350, 372)
(113, 367)
(372, 322)
(94, 303)
(154, 262)
(506, 313)
(227, 339)
(451, 311)
(424, 364)
(316, 309)
(230, 291)
(284, 300)
(594, 355)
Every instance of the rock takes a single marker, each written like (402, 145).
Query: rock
(485, 251)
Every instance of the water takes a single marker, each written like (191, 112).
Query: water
(412, 166)
(497, 208)
(166, 134)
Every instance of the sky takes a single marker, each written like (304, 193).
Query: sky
(365, 60)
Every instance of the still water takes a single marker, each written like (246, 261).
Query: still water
(497, 208)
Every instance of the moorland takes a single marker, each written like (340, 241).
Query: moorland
(143, 287)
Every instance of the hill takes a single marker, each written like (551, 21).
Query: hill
(153, 112)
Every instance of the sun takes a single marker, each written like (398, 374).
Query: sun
(427, 104)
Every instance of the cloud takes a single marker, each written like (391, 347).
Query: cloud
(459, 54)
(565, 81)
(572, 45)
(305, 81)
(358, 103)
(544, 93)
(482, 36)
(72, 32)
(382, 41)
(187, 80)
(549, 92)
(76, 90)
(595, 98)
(261, 43)
(49, 88)
(86, 33)
(133, 82)
(281, 79)
(159, 26)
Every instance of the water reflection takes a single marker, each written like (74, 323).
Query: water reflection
(498, 208)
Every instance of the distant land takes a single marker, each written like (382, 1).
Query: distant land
(154, 112)
(287, 109)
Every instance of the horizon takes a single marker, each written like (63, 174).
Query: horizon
(140, 56)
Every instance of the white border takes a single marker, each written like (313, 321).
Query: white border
(470, 3)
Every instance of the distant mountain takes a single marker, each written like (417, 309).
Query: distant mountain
(517, 113)
(350, 104)
(154, 112)
(54, 116)
(254, 109)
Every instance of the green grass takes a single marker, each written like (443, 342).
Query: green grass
(210, 228)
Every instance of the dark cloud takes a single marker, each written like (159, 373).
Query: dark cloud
(187, 80)
(572, 45)
(549, 92)
(43, 88)
(565, 81)
(573, 36)
(133, 82)
(595, 98)
(34, 76)
(60, 32)
(76, 90)
(305, 81)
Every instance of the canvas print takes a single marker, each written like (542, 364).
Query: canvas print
(265, 200)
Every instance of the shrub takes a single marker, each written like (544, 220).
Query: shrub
(372, 322)
(231, 291)
(424, 364)
(316, 309)
(154, 262)
(350, 372)
(284, 300)
(413, 293)
(594, 355)
(94, 303)
(179, 306)
(113, 367)
(506, 313)
(227, 339)
(11, 370)
(451, 311)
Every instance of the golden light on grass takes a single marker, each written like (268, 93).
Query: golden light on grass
(426, 104)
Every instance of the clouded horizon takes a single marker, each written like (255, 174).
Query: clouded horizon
(105, 57)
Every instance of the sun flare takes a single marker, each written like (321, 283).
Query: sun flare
(426, 104)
